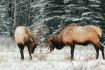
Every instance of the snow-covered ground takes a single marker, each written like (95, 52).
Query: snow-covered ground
(84, 58)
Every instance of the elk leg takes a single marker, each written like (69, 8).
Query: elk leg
(21, 47)
(29, 50)
(97, 52)
(102, 50)
(72, 52)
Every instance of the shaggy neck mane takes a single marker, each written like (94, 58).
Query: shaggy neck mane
(57, 42)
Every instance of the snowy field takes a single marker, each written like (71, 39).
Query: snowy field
(84, 58)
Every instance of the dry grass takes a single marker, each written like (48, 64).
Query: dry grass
(84, 59)
(67, 57)
(58, 60)
(40, 54)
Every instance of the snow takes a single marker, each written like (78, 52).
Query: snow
(84, 58)
(86, 13)
(96, 1)
(96, 21)
(95, 5)
(72, 19)
(10, 60)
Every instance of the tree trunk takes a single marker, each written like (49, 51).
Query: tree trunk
(14, 21)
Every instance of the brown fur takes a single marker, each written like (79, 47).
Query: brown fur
(24, 37)
(81, 35)
(97, 29)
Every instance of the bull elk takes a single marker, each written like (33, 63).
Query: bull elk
(81, 35)
(24, 37)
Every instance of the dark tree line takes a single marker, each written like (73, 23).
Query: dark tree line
(18, 13)
(52, 13)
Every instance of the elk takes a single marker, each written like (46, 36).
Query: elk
(81, 35)
(24, 37)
